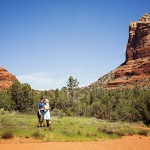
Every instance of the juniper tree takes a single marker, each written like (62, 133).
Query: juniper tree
(71, 85)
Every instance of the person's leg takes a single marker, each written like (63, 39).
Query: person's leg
(47, 123)
(50, 124)
(39, 125)
(39, 116)
(41, 121)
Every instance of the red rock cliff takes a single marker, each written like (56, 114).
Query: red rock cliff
(6, 79)
(139, 39)
(136, 69)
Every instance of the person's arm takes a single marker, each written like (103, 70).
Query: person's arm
(47, 106)
(39, 109)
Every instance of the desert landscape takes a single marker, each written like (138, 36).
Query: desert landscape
(43, 107)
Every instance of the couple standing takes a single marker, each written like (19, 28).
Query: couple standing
(43, 112)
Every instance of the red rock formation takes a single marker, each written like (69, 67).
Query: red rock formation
(136, 69)
(139, 39)
(6, 79)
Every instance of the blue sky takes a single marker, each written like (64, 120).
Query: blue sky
(43, 42)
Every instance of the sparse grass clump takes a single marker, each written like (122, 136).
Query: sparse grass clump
(79, 133)
(37, 135)
(88, 135)
(7, 135)
(3, 112)
(144, 132)
(119, 130)
(69, 132)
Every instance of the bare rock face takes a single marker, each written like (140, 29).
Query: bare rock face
(135, 71)
(139, 39)
(6, 79)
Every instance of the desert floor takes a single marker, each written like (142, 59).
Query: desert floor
(125, 143)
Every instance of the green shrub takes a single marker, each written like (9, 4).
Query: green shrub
(57, 112)
(131, 132)
(6, 122)
(69, 113)
(79, 133)
(7, 135)
(144, 132)
(107, 130)
(3, 112)
(37, 135)
(120, 132)
(68, 132)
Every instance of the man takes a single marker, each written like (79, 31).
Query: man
(41, 106)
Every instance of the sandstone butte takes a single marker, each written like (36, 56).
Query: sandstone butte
(135, 71)
(6, 79)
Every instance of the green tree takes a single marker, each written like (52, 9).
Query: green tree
(15, 91)
(5, 100)
(27, 98)
(22, 97)
(143, 106)
(71, 85)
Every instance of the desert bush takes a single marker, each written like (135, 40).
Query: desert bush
(119, 130)
(57, 112)
(6, 122)
(87, 134)
(7, 135)
(143, 132)
(68, 132)
(3, 112)
(79, 133)
(131, 131)
(106, 129)
(37, 135)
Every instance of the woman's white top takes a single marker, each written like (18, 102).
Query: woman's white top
(47, 112)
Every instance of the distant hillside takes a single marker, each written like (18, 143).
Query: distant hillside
(135, 71)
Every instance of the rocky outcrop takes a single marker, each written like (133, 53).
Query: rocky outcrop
(135, 71)
(6, 79)
(139, 39)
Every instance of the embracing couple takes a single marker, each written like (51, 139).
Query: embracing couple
(43, 112)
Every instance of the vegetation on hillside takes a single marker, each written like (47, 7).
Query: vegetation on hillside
(119, 105)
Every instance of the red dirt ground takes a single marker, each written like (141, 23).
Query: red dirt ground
(126, 143)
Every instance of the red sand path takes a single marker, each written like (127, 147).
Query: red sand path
(126, 143)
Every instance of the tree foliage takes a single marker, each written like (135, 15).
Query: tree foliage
(18, 98)
(124, 105)
(71, 85)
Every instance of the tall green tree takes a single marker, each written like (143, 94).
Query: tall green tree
(27, 98)
(5, 100)
(22, 97)
(143, 106)
(72, 83)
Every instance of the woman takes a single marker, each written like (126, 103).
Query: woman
(47, 116)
